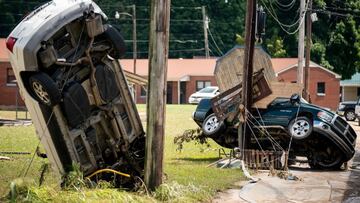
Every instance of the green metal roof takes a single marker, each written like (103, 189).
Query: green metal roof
(354, 81)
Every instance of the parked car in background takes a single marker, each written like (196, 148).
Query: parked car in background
(357, 110)
(323, 137)
(205, 93)
(347, 109)
(65, 59)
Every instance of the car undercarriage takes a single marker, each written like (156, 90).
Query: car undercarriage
(80, 92)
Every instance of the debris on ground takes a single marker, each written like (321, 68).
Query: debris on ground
(7, 122)
(5, 158)
(286, 175)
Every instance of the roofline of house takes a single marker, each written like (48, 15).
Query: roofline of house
(312, 65)
(349, 85)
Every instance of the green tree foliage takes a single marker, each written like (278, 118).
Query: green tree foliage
(275, 47)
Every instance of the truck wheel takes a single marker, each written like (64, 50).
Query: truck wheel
(328, 157)
(350, 115)
(211, 125)
(44, 89)
(300, 128)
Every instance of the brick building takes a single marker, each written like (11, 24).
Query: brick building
(324, 85)
(185, 76)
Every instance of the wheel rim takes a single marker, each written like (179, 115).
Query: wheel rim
(300, 128)
(40, 92)
(211, 124)
(350, 115)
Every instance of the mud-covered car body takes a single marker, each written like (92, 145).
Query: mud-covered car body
(325, 129)
(65, 60)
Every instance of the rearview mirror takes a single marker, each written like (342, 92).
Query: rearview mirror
(295, 98)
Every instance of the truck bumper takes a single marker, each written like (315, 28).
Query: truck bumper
(325, 129)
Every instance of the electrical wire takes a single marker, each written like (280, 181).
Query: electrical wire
(217, 47)
(283, 26)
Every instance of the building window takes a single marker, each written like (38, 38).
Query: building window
(143, 91)
(10, 77)
(358, 91)
(293, 81)
(321, 88)
(202, 84)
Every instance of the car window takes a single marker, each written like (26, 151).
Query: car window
(280, 102)
(207, 90)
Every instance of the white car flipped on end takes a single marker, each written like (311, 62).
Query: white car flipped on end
(207, 92)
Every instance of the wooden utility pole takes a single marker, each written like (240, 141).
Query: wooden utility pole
(308, 51)
(300, 73)
(158, 55)
(250, 25)
(206, 26)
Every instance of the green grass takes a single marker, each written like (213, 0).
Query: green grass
(187, 177)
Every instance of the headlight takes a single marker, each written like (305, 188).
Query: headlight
(341, 106)
(325, 116)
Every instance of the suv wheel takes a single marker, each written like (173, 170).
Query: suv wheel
(300, 128)
(350, 115)
(327, 157)
(211, 125)
(44, 89)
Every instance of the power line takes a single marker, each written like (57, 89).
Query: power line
(335, 13)
(217, 47)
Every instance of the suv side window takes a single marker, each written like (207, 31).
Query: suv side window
(280, 102)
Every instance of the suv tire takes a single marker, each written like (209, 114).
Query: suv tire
(44, 89)
(350, 115)
(300, 128)
(211, 125)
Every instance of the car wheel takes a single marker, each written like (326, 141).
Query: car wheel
(350, 115)
(300, 128)
(115, 40)
(328, 157)
(44, 89)
(211, 125)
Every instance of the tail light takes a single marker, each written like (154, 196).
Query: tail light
(10, 43)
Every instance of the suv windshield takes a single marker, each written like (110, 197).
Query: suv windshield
(207, 90)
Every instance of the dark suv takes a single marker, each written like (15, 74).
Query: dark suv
(322, 136)
(347, 109)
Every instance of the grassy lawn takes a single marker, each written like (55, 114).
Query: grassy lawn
(187, 177)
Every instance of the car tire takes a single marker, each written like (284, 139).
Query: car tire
(116, 40)
(300, 128)
(350, 115)
(212, 126)
(44, 89)
(329, 157)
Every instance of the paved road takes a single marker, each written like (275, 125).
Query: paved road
(315, 186)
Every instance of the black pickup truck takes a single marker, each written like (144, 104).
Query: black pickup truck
(347, 109)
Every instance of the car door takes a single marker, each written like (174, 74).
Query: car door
(279, 112)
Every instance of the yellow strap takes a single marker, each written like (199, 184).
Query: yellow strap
(108, 171)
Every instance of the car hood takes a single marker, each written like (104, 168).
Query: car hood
(317, 108)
